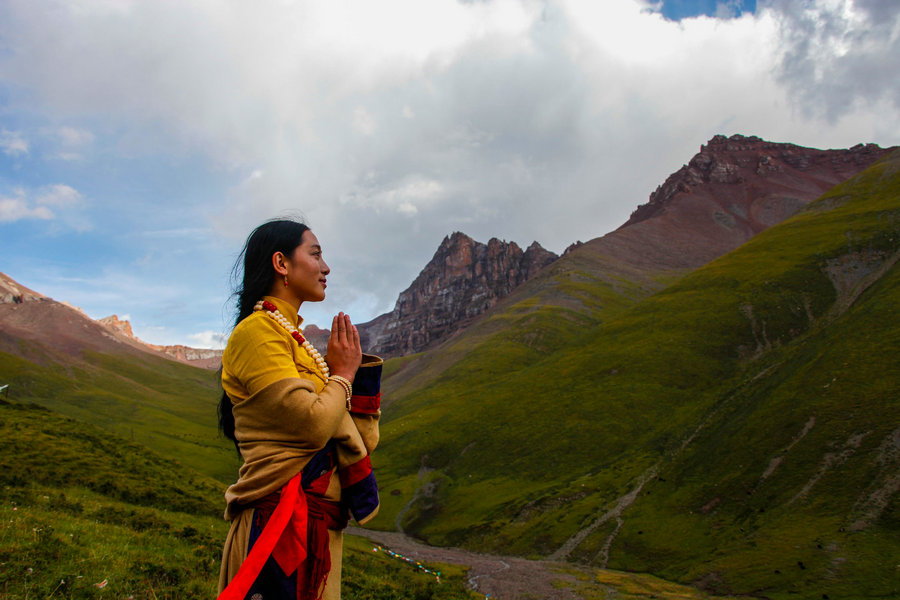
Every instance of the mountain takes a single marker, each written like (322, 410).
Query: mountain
(204, 358)
(734, 188)
(56, 326)
(695, 216)
(734, 426)
(54, 355)
(731, 190)
(27, 314)
(462, 280)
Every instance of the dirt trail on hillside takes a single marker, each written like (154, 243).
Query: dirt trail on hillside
(503, 577)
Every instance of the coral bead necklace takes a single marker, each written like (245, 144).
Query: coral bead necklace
(279, 318)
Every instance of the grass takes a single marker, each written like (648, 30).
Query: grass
(162, 404)
(602, 584)
(734, 358)
(86, 514)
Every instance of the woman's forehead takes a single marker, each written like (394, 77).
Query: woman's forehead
(309, 239)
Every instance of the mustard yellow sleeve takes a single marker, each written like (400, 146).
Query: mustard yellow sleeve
(259, 363)
(258, 354)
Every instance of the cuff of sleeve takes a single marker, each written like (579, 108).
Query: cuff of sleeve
(366, 405)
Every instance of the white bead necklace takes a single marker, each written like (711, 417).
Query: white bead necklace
(279, 318)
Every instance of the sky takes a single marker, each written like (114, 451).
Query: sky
(141, 142)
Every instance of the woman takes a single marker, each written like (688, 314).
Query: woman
(288, 411)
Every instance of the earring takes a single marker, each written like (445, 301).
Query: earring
(285, 281)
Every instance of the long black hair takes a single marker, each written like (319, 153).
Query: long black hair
(253, 268)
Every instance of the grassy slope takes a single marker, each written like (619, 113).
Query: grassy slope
(575, 292)
(162, 404)
(630, 391)
(572, 295)
(80, 507)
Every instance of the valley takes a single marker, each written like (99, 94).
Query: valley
(701, 403)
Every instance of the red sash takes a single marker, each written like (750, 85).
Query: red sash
(295, 535)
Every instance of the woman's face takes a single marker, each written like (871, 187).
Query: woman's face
(307, 270)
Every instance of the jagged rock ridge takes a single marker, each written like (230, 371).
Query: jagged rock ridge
(734, 188)
(463, 280)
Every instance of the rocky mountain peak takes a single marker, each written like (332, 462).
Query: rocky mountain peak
(121, 326)
(462, 280)
(756, 165)
(13, 292)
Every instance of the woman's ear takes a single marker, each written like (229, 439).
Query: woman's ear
(278, 263)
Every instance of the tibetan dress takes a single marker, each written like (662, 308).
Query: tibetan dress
(306, 465)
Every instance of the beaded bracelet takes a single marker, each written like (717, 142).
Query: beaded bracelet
(344, 383)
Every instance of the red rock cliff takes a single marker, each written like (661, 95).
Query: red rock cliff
(463, 279)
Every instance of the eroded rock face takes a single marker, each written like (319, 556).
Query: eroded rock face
(763, 174)
(317, 337)
(12, 292)
(463, 280)
(734, 188)
(113, 322)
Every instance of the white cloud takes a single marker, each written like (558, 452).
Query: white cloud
(363, 121)
(74, 136)
(16, 208)
(71, 142)
(839, 56)
(38, 204)
(728, 9)
(12, 143)
(404, 197)
(208, 339)
(58, 195)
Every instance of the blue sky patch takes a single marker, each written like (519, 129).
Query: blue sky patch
(676, 10)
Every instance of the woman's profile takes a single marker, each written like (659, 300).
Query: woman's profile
(303, 435)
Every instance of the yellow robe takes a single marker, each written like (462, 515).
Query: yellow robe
(285, 412)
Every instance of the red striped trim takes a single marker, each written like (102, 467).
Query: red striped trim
(355, 472)
(367, 405)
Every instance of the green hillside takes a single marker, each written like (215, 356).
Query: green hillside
(89, 515)
(737, 429)
(159, 403)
